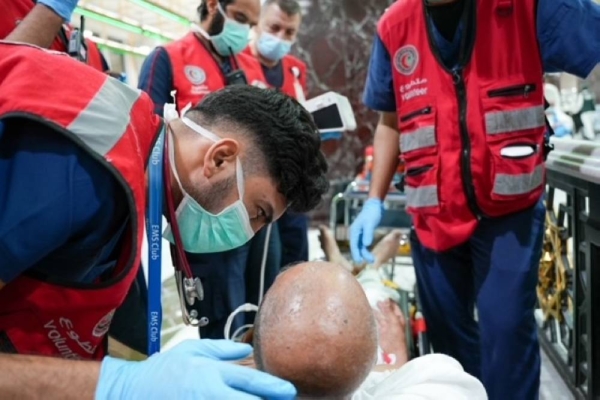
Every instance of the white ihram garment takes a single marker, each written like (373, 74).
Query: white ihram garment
(430, 377)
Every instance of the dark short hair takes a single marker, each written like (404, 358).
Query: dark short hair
(203, 8)
(284, 135)
(290, 7)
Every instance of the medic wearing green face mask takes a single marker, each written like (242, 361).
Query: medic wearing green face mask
(219, 204)
(205, 59)
(195, 66)
(233, 37)
(202, 231)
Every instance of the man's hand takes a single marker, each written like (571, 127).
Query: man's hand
(64, 8)
(385, 162)
(192, 370)
(363, 230)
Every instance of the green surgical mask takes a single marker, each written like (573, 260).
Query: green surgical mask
(234, 37)
(202, 231)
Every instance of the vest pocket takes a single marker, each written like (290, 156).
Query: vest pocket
(419, 149)
(417, 130)
(514, 130)
(421, 186)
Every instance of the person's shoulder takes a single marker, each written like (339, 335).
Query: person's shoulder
(248, 51)
(246, 58)
(249, 63)
(397, 13)
(295, 61)
(179, 43)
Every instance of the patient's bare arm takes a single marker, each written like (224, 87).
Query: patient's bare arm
(387, 248)
(392, 331)
(331, 248)
(383, 251)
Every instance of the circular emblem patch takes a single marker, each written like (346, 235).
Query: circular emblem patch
(196, 75)
(406, 59)
(102, 326)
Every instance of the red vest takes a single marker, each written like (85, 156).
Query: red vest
(454, 127)
(117, 126)
(294, 74)
(196, 72)
(94, 57)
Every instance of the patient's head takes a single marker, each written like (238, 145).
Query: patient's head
(316, 329)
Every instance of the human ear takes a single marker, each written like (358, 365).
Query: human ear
(212, 6)
(220, 156)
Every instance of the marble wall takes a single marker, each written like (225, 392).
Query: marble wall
(335, 42)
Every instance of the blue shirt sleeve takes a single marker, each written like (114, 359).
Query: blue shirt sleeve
(156, 78)
(50, 197)
(569, 35)
(379, 88)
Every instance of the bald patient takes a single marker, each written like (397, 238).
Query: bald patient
(331, 323)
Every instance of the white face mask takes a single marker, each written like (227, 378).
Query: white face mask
(202, 231)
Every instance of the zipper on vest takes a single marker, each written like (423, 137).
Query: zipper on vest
(423, 111)
(518, 90)
(467, 175)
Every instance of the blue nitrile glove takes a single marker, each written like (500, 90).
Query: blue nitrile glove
(64, 8)
(195, 370)
(363, 229)
(561, 131)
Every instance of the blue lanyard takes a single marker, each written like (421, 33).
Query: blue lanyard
(154, 231)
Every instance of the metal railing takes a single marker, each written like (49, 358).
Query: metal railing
(569, 275)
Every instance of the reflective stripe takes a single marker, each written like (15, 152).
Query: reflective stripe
(508, 185)
(102, 123)
(423, 196)
(516, 120)
(417, 139)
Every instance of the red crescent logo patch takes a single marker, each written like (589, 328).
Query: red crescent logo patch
(406, 60)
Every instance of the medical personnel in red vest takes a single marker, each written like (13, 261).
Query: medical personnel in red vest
(204, 60)
(272, 41)
(75, 159)
(458, 84)
(207, 59)
(45, 25)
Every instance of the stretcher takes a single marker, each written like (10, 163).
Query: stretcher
(399, 271)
